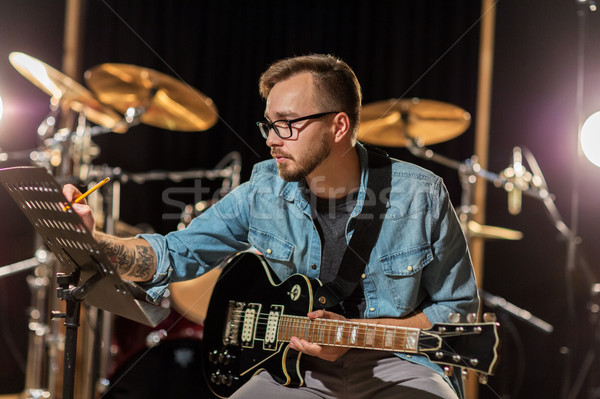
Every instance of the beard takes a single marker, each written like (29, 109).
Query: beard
(305, 163)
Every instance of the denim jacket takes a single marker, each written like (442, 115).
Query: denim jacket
(420, 261)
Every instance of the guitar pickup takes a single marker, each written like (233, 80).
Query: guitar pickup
(249, 319)
(270, 342)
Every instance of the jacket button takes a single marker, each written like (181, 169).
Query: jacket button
(269, 251)
(314, 267)
(410, 268)
(371, 309)
(363, 276)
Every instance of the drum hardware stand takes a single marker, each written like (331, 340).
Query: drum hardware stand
(494, 302)
(27, 264)
(48, 125)
(117, 173)
(103, 321)
(38, 329)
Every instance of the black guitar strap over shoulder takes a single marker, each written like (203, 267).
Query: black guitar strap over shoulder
(365, 234)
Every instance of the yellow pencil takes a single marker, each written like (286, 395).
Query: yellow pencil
(91, 190)
(88, 192)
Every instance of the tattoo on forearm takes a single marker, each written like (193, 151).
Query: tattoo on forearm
(136, 262)
(145, 260)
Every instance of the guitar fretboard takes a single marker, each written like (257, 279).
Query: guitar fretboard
(349, 334)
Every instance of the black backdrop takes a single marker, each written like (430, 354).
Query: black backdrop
(427, 49)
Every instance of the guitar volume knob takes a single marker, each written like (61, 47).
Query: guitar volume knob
(225, 357)
(215, 377)
(213, 357)
(227, 379)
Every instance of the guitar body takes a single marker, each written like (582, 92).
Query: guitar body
(230, 355)
(252, 316)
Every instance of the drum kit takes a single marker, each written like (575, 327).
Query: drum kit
(119, 97)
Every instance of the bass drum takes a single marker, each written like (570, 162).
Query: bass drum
(157, 363)
(191, 297)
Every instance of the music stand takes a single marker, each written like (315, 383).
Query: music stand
(92, 276)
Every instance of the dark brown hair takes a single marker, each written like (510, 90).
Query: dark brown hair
(336, 83)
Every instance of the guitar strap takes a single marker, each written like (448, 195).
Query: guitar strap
(365, 234)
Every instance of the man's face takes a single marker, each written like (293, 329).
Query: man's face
(310, 145)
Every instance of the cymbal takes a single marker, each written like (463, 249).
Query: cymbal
(482, 231)
(387, 122)
(66, 91)
(165, 102)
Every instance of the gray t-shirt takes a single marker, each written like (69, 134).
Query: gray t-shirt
(330, 217)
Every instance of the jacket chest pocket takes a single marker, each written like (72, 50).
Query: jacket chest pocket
(402, 271)
(407, 262)
(270, 246)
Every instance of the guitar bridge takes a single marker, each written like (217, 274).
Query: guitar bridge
(240, 324)
(232, 323)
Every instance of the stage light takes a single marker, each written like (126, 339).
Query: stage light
(590, 138)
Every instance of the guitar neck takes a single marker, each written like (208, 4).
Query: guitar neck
(349, 334)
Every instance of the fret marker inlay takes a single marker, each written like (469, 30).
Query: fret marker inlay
(338, 334)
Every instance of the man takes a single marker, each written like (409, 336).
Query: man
(300, 210)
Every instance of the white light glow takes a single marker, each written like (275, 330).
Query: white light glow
(590, 138)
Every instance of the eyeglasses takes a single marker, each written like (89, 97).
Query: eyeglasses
(279, 127)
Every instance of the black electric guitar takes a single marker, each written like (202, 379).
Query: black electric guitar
(252, 316)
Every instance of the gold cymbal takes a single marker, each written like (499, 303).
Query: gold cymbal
(387, 122)
(165, 102)
(66, 91)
